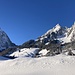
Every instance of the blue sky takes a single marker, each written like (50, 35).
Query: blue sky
(28, 19)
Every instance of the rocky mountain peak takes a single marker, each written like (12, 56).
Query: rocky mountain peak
(56, 28)
(5, 42)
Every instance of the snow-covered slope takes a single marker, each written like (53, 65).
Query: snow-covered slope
(56, 65)
(4, 40)
(25, 52)
(43, 52)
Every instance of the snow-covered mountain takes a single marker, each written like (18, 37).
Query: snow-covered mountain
(54, 41)
(4, 40)
(57, 34)
(63, 34)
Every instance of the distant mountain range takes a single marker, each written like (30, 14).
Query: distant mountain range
(55, 41)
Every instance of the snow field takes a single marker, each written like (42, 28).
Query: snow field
(55, 65)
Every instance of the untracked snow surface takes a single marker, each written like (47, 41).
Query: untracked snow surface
(25, 52)
(55, 65)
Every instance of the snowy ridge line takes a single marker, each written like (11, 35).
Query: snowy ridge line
(63, 34)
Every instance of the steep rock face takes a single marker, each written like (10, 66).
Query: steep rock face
(4, 41)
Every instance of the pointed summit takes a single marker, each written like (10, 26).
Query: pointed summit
(58, 25)
(56, 28)
(5, 42)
